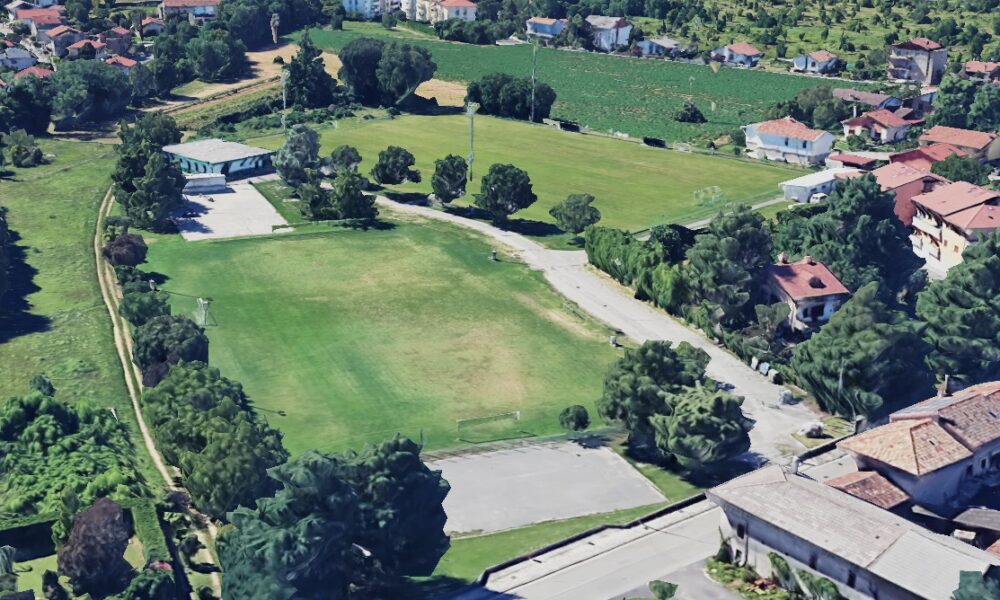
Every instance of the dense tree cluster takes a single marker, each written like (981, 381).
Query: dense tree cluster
(204, 424)
(504, 95)
(184, 52)
(966, 104)
(339, 527)
(27, 104)
(384, 74)
(309, 85)
(250, 20)
(470, 32)
(4, 253)
(298, 155)
(963, 168)
(85, 91)
(816, 107)
(164, 341)
(145, 184)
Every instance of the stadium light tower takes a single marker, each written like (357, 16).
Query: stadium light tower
(534, 63)
(470, 109)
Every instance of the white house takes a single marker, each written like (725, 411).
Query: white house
(609, 32)
(740, 54)
(810, 290)
(218, 156)
(16, 58)
(543, 28)
(152, 26)
(867, 552)
(880, 125)
(199, 9)
(919, 60)
(663, 46)
(801, 189)
(820, 62)
(443, 10)
(788, 140)
(938, 451)
(371, 9)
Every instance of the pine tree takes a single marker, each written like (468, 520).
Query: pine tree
(309, 85)
(706, 427)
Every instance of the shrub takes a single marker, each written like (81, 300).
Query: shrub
(574, 418)
(126, 249)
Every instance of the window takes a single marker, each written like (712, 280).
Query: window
(852, 579)
(741, 531)
(812, 561)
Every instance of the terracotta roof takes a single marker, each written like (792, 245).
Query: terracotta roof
(79, 45)
(853, 160)
(7, 43)
(119, 30)
(806, 278)
(895, 175)
(954, 197)
(920, 43)
(985, 217)
(971, 415)
(602, 22)
(151, 20)
(189, 3)
(457, 3)
(966, 138)
(822, 55)
(994, 549)
(871, 487)
(39, 16)
(851, 95)
(981, 68)
(121, 61)
(57, 31)
(789, 127)
(886, 117)
(924, 157)
(36, 71)
(914, 446)
(744, 49)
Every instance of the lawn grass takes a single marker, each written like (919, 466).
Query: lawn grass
(277, 192)
(358, 335)
(636, 96)
(636, 186)
(30, 572)
(468, 556)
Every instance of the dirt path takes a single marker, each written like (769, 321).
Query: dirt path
(133, 380)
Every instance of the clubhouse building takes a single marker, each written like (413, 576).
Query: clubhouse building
(219, 156)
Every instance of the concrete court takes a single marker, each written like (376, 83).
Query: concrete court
(514, 487)
(238, 211)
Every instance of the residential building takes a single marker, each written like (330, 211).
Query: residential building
(873, 488)
(924, 157)
(804, 188)
(939, 451)
(867, 552)
(982, 71)
(151, 26)
(976, 144)
(609, 32)
(880, 125)
(787, 140)
(124, 64)
(810, 290)
(218, 156)
(853, 161)
(919, 60)
(372, 9)
(34, 71)
(820, 62)
(197, 9)
(61, 38)
(117, 39)
(951, 218)
(14, 6)
(443, 10)
(99, 49)
(905, 182)
(871, 100)
(740, 54)
(664, 46)
(546, 29)
(16, 58)
(40, 21)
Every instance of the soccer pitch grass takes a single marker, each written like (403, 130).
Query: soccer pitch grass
(636, 186)
(358, 335)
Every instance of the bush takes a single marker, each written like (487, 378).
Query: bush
(689, 114)
(163, 341)
(126, 249)
(574, 418)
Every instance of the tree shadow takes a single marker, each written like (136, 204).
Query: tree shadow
(532, 228)
(16, 318)
(590, 441)
(436, 587)
(415, 198)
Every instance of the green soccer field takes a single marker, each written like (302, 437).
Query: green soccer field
(358, 335)
(635, 186)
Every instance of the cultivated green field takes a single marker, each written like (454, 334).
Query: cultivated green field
(358, 335)
(635, 186)
(638, 97)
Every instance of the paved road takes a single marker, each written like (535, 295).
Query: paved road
(601, 297)
(614, 563)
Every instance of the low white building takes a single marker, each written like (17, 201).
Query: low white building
(867, 552)
(811, 291)
(802, 189)
(788, 140)
(218, 156)
(544, 28)
(444, 10)
(663, 46)
(373, 9)
(609, 32)
(820, 62)
(740, 54)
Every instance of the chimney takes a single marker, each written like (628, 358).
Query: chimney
(943, 391)
(783, 259)
(808, 260)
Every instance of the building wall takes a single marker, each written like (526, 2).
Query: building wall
(609, 39)
(923, 66)
(801, 193)
(443, 13)
(16, 64)
(252, 163)
(773, 147)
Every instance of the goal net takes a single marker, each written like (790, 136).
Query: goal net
(464, 424)
(710, 195)
(202, 312)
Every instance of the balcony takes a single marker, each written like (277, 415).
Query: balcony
(928, 227)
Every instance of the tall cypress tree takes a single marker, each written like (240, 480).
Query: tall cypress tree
(309, 85)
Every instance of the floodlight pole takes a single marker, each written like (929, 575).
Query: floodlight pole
(470, 109)
(284, 100)
(534, 62)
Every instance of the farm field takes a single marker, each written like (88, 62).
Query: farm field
(635, 186)
(357, 335)
(607, 93)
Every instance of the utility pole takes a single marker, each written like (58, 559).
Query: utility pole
(470, 109)
(534, 63)
(284, 101)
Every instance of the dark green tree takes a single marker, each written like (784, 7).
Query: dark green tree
(962, 168)
(984, 112)
(644, 382)
(866, 355)
(344, 159)
(816, 107)
(705, 428)
(151, 584)
(689, 113)
(166, 340)
(574, 418)
(575, 213)
(360, 59)
(299, 153)
(316, 201)
(157, 193)
(4, 253)
(139, 308)
(450, 175)
(962, 316)
(126, 249)
(349, 199)
(508, 96)
(216, 55)
(973, 585)
(309, 85)
(951, 105)
(504, 190)
(400, 71)
(394, 166)
(727, 265)
(85, 91)
(28, 102)
(93, 558)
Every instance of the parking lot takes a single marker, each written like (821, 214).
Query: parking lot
(238, 211)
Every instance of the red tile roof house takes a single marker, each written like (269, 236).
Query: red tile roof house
(905, 182)
(100, 49)
(919, 60)
(33, 72)
(820, 62)
(61, 38)
(740, 54)
(937, 451)
(924, 157)
(976, 144)
(854, 161)
(810, 290)
(118, 39)
(152, 26)
(121, 62)
(982, 71)
(951, 218)
(40, 20)
(200, 9)
(787, 140)
(880, 125)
